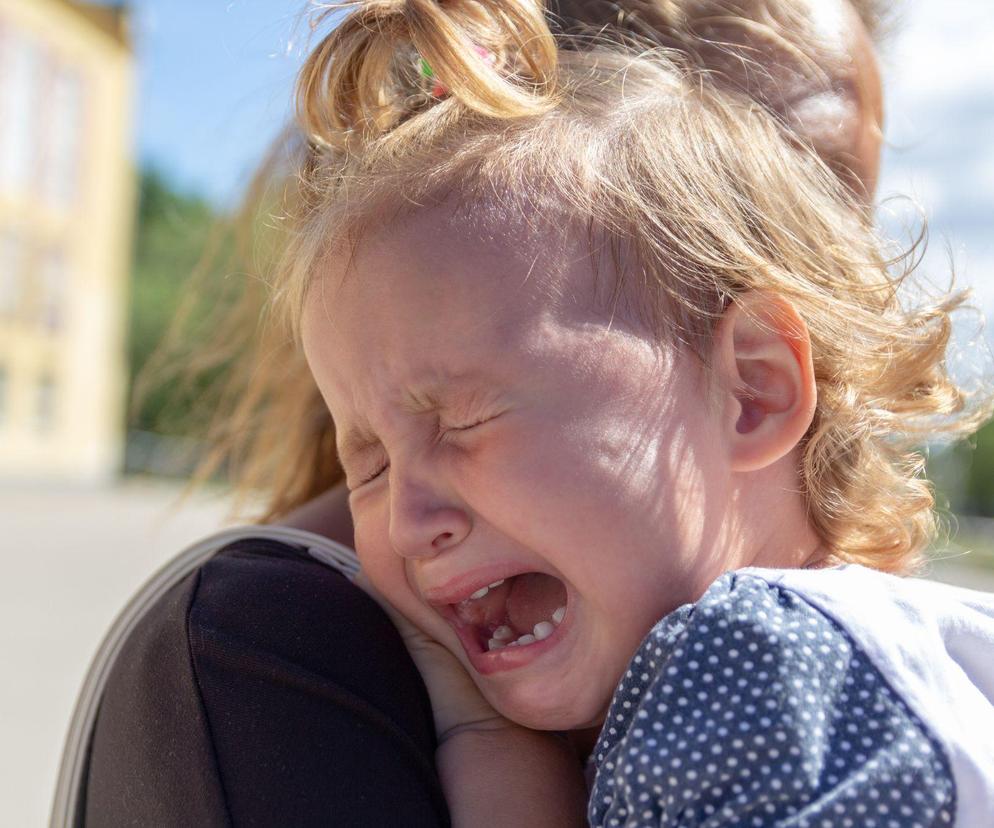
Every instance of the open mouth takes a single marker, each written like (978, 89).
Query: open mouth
(513, 612)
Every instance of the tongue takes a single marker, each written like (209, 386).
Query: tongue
(533, 597)
(487, 611)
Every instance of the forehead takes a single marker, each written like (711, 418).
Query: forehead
(485, 249)
(445, 312)
(446, 283)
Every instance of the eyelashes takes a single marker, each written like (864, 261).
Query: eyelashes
(443, 432)
(370, 478)
(463, 428)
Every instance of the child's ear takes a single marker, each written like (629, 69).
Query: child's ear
(762, 353)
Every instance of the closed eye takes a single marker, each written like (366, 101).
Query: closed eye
(470, 425)
(370, 477)
(448, 429)
(444, 431)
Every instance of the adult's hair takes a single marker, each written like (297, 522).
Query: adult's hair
(811, 63)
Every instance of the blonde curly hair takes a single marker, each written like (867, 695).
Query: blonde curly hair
(699, 196)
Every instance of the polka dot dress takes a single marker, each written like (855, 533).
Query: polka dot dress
(752, 708)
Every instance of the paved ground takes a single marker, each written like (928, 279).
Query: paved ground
(71, 558)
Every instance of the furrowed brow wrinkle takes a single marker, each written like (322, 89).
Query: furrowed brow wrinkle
(354, 442)
(473, 404)
(469, 398)
(447, 387)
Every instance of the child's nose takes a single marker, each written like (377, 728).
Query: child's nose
(423, 521)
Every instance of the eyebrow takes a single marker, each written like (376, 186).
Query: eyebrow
(429, 396)
(354, 441)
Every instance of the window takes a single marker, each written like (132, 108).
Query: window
(20, 64)
(60, 168)
(53, 278)
(12, 262)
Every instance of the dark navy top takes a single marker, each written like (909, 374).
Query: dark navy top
(753, 708)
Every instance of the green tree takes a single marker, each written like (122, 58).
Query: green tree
(963, 474)
(173, 232)
(978, 477)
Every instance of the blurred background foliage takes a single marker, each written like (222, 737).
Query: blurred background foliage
(978, 472)
(171, 238)
(963, 474)
(183, 277)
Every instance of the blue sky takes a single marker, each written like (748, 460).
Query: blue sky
(215, 79)
(938, 70)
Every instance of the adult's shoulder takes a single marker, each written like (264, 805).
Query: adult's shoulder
(258, 607)
(251, 691)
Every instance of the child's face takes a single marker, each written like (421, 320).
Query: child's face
(503, 427)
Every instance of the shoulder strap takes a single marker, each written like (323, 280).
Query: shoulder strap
(66, 808)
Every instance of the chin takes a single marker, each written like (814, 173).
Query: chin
(537, 708)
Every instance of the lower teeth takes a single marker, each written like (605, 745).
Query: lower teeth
(543, 629)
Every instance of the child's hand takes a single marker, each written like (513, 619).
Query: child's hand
(482, 755)
(456, 702)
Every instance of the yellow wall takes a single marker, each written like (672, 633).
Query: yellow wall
(82, 353)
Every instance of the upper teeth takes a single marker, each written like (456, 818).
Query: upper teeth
(543, 629)
(484, 590)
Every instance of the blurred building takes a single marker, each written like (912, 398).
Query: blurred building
(66, 206)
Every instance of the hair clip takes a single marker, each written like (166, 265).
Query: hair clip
(437, 89)
(424, 67)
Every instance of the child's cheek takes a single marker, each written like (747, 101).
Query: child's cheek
(530, 462)
(382, 566)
